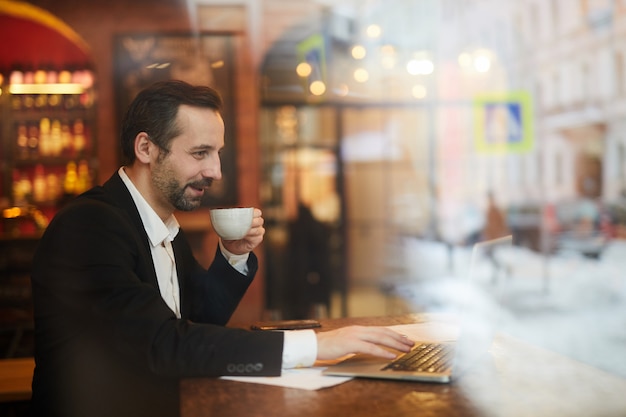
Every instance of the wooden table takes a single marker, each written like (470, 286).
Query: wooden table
(550, 385)
(16, 376)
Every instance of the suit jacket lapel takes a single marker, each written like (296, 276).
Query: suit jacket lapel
(178, 247)
(121, 197)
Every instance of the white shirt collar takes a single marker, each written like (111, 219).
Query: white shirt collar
(157, 230)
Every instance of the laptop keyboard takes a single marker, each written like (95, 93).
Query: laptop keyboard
(425, 357)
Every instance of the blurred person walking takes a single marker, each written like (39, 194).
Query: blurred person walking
(495, 227)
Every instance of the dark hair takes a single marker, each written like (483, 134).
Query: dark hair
(154, 111)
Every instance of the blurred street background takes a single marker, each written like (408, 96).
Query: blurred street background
(568, 303)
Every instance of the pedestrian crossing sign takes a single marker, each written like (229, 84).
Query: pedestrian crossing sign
(503, 123)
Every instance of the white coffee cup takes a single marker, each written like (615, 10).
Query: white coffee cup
(232, 223)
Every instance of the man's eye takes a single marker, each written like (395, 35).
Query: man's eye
(200, 154)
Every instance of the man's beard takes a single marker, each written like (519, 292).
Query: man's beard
(165, 180)
(176, 194)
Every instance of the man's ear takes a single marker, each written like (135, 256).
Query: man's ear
(143, 147)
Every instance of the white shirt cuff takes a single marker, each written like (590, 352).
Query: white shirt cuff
(239, 262)
(299, 349)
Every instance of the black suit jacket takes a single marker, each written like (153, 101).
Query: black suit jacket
(106, 344)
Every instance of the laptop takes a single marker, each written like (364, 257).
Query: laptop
(442, 361)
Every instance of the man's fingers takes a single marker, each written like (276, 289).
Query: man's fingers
(372, 349)
(381, 335)
(389, 338)
(361, 339)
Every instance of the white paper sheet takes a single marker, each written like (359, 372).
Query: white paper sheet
(301, 378)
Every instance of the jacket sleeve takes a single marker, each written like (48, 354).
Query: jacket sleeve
(94, 285)
(210, 296)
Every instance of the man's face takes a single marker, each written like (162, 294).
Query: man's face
(181, 176)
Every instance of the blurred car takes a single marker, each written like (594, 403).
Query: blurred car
(525, 222)
(576, 225)
(580, 227)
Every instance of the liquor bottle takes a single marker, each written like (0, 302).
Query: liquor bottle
(22, 188)
(56, 142)
(70, 101)
(53, 187)
(41, 100)
(29, 75)
(39, 185)
(71, 177)
(40, 76)
(83, 182)
(45, 140)
(67, 139)
(16, 77)
(52, 76)
(65, 77)
(80, 141)
(88, 79)
(33, 141)
(22, 141)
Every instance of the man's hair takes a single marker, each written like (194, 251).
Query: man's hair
(154, 111)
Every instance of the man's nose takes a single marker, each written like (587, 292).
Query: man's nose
(212, 168)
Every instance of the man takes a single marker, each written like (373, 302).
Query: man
(122, 308)
(495, 227)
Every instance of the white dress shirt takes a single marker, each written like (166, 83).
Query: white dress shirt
(300, 347)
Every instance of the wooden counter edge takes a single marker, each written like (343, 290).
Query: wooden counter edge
(16, 376)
